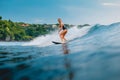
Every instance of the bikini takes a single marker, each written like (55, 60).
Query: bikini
(63, 28)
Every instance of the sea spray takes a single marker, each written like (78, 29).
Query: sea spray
(73, 33)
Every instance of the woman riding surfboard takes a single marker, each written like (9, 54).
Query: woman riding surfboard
(62, 30)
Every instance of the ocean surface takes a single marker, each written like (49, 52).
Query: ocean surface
(92, 53)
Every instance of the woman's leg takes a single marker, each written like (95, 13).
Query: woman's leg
(62, 35)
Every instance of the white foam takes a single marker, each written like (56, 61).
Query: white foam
(42, 41)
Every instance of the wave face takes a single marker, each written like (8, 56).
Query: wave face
(103, 35)
(104, 28)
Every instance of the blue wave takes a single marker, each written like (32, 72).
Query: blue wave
(100, 29)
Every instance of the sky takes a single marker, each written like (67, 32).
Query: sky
(70, 11)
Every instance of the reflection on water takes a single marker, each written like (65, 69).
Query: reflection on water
(67, 61)
(65, 48)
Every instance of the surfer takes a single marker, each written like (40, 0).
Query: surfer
(62, 30)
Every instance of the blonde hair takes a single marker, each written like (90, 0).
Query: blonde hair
(59, 20)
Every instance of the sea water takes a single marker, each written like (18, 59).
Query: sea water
(92, 54)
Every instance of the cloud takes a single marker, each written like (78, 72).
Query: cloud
(111, 4)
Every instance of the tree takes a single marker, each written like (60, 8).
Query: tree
(0, 17)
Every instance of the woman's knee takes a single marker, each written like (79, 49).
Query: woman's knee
(64, 34)
(61, 36)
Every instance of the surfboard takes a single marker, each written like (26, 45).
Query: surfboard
(56, 42)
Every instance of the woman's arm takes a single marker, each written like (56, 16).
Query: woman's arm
(60, 27)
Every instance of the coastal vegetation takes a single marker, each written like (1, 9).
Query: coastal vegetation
(20, 31)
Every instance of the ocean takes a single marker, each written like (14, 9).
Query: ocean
(91, 53)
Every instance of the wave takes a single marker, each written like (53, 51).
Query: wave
(73, 33)
(92, 34)
(99, 29)
(103, 35)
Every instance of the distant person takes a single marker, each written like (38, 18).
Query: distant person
(62, 31)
